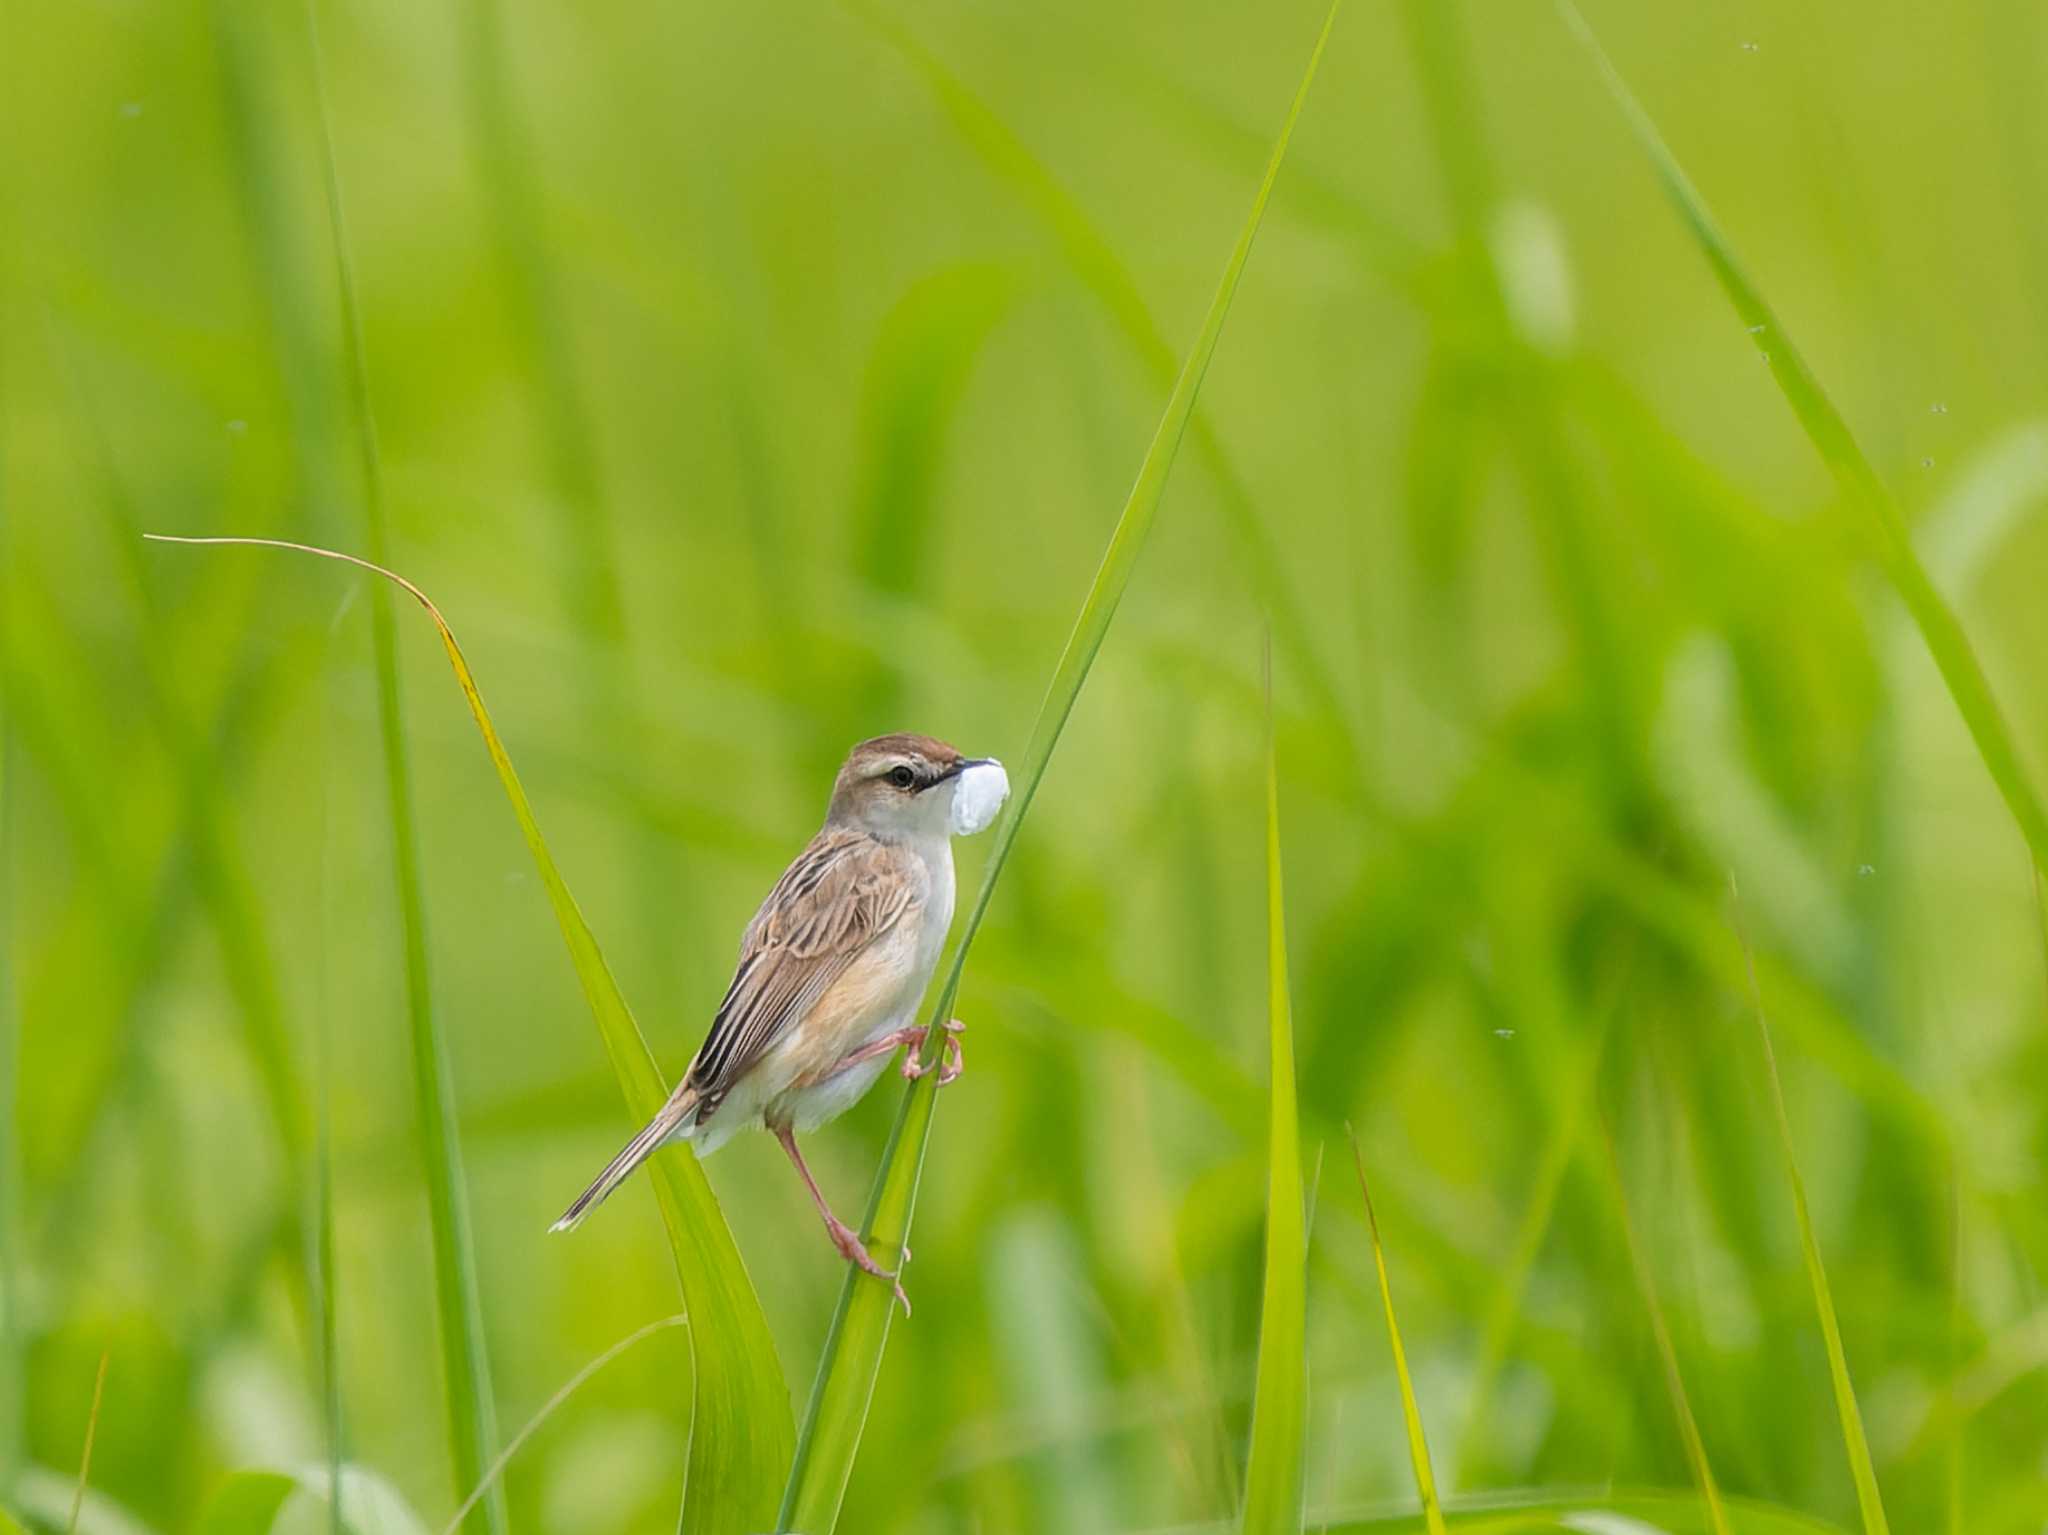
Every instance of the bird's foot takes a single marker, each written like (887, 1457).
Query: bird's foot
(854, 1251)
(953, 1060)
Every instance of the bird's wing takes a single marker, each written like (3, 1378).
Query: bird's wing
(842, 893)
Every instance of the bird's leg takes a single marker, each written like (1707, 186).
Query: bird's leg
(844, 1237)
(914, 1038)
(886, 1045)
(954, 1060)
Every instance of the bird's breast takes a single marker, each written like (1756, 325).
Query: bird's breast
(936, 915)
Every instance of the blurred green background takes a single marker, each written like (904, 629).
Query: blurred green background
(750, 380)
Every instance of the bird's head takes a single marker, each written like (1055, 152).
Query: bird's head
(905, 788)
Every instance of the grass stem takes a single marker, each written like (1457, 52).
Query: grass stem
(465, 1361)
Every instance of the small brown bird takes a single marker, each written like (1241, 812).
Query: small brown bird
(832, 968)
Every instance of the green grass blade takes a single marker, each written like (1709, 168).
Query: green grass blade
(1095, 263)
(1667, 1354)
(324, 1293)
(740, 1429)
(1859, 483)
(1457, 129)
(1273, 1481)
(13, 1391)
(1411, 1412)
(325, 1300)
(1868, 1500)
(465, 1361)
(845, 1383)
(585, 553)
(1952, 1436)
(92, 1426)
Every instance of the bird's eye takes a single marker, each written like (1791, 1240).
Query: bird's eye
(902, 777)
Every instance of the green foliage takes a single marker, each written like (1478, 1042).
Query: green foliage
(1273, 1483)
(1411, 1410)
(747, 384)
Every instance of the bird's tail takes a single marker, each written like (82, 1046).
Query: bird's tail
(679, 1109)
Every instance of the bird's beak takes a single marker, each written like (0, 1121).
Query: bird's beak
(958, 768)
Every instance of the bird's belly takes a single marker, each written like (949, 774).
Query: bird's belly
(876, 996)
(806, 1108)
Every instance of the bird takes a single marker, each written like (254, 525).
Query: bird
(832, 969)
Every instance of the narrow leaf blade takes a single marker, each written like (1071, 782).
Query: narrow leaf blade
(1667, 1353)
(1273, 1485)
(741, 1429)
(465, 1359)
(845, 1384)
(1868, 1500)
(1832, 439)
(1411, 1411)
(1095, 264)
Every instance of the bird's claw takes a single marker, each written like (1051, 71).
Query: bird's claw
(952, 1060)
(854, 1251)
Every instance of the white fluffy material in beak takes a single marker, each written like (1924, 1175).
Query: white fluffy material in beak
(978, 796)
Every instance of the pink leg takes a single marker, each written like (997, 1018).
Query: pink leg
(914, 1038)
(886, 1045)
(844, 1237)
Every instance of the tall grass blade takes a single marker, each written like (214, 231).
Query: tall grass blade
(1667, 1355)
(838, 1408)
(740, 1429)
(13, 1391)
(92, 1428)
(1952, 1447)
(1411, 1412)
(586, 556)
(1845, 460)
(324, 1294)
(1094, 261)
(325, 1300)
(1273, 1480)
(465, 1363)
(1443, 67)
(1868, 1500)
